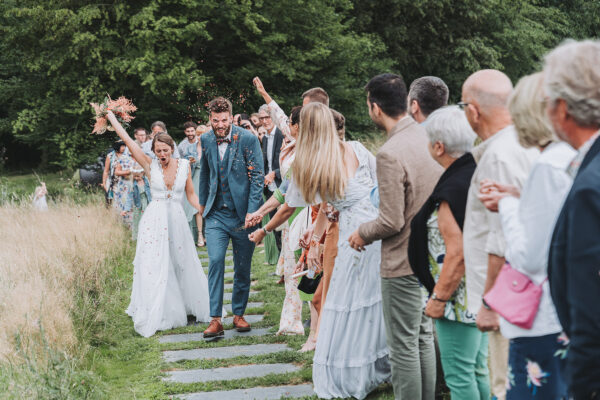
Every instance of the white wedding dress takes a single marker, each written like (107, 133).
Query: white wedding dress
(168, 280)
(351, 357)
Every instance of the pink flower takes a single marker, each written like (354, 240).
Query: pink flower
(535, 374)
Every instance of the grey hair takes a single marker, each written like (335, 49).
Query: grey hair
(449, 125)
(160, 124)
(430, 92)
(572, 73)
(264, 108)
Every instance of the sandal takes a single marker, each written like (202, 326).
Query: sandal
(310, 345)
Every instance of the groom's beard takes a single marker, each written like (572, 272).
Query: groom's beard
(221, 132)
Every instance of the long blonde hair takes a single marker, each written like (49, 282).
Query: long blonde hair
(319, 163)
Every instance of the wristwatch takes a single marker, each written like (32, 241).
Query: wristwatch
(266, 231)
(435, 297)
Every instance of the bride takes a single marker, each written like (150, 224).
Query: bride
(168, 280)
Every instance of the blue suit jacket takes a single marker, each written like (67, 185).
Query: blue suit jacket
(574, 276)
(244, 171)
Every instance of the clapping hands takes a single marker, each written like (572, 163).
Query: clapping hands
(491, 192)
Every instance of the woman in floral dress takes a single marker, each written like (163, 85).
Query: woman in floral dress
(122, 165)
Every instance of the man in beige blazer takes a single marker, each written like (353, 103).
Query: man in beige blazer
(406, 174)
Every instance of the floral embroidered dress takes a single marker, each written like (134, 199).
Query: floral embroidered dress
(456, 307)
(122, 186)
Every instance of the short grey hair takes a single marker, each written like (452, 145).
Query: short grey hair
(449, 126)
(264, 108)
(159, 124)
(430, 92)
(572, 73)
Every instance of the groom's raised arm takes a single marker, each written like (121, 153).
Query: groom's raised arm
(253, 157)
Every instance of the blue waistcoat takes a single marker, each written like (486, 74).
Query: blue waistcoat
(223, 197)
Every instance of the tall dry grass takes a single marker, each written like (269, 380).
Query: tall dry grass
(51, 264)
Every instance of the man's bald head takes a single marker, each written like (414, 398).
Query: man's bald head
(489, 89)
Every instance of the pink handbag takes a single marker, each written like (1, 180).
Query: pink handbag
(515, 297)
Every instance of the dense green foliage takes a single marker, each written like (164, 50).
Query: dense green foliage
(171, 56)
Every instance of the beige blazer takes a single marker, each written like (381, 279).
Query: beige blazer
(406, 175)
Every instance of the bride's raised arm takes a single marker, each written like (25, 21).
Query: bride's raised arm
(137, 153)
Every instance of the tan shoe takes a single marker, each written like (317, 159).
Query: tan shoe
(240, 323)
(215, 328)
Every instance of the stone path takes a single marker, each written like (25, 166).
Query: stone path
(190, 352)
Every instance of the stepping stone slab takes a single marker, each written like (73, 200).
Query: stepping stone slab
(267, 393)
(199, 337)
(229, 295)
(230, 285)
(224, 352)
(251, 319)
(257, 304)
(229, 374)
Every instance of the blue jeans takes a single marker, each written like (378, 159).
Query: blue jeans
(464, 351)
(221, 226)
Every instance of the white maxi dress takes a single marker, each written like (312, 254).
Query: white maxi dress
(168, 280)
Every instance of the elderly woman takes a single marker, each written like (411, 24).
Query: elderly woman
(436, 256)
(536, 354)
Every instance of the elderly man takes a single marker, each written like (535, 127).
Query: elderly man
(572, 86)
(425, 95)
(156, 128)
(499, 157)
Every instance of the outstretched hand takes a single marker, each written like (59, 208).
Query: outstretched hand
(259, 86)
(257, 236)
(253, 219)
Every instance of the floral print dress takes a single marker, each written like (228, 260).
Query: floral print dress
(122, 187)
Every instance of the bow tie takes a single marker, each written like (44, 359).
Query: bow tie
(223, 140)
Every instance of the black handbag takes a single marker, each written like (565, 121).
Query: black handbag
(309, 286)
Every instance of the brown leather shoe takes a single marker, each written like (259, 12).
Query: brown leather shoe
(215, 328)
(240, 323)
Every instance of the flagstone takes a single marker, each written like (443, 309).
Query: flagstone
(224, 352)
(263, 393)
(229, 374)
(257, 304)
(199, 337)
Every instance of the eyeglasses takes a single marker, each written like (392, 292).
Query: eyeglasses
(462, 104)
(263, 118)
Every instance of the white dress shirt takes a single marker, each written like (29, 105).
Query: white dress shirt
(270, 144)
(528, 224)
(223, 146)
(503, 160)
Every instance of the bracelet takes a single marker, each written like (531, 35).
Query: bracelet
(485, 304)
(436, 298)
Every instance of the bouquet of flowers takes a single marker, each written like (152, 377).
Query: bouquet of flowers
(122, 108)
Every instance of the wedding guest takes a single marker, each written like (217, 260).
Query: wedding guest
(255, 120)
(141, 135)
(527, 224)
(572, 89)
(262, 131)
(191, 149)
(315, 95)
(291, 314)
(500, 158)
(425, 95)
(39, 197)
(347, 361)
(201, 130)
(436, 256)
(156, 128)
(236, 119)
(121, 165)
(407, 175)
(138, 200)
(271, 147)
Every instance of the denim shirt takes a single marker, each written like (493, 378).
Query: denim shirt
(134, 197)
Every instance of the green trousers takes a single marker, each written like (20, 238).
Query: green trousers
(410, 339)
(464, 353)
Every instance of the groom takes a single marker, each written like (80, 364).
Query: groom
(231, 185)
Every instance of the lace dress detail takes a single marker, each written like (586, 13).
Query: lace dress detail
(168, 280)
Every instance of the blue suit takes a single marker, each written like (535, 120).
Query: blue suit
(574, 276)
(229, 189)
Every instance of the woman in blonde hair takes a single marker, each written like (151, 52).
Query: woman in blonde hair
(351, 357)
